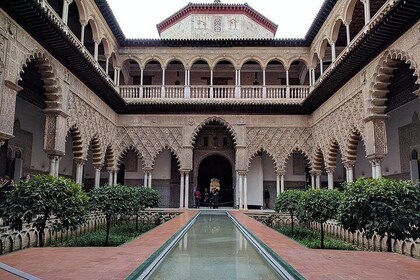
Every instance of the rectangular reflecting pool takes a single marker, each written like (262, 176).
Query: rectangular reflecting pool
(213, 248)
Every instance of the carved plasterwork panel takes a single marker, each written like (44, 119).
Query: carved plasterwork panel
(279, 142)
(90, 122)
(149, 141)
(339, 124)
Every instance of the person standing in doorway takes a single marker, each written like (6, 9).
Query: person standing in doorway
(267, 198)
(197, 197)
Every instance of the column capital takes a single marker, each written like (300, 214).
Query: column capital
(68, 1)
(315, 172)
(281, 172)
(330, 169)
(80, 161)
(375, 159)
(98, 166)
(242, 172)
(349, 164)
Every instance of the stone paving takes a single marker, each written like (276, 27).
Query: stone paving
(119, 262)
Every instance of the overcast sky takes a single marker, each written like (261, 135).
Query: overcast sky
(138, 18)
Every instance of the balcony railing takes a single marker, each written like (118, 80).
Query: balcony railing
(286, 93)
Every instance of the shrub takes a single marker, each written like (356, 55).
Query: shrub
(42, 198)
(288, 201)
(384, 206)
(112, 201)
(319, 206)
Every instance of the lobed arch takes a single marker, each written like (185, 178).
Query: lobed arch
(382, 78)
(317, 159)
(109, 157)
(169, 148)
(277, 165)
(95, 146)
(276, 59)
(49, 76)
(301, 150)
(331, 155)
(173, 59)
(350, 149)
(219, 120)
(77, 147)
(223, 58)
(124, 151)
(252, 59)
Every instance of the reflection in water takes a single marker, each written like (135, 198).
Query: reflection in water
(213, 248)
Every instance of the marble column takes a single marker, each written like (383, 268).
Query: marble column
(57, 166)
(241, 198)
(348, 33)
(277, 184)
(149, 178)
(282, 183)
(97, 175)
(145, 179)
(245, 178)
(163, 83)
(187, 190)
(181, 191)
(330, 174)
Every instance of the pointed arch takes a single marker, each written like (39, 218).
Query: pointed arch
(44, 64)
(301, 151)
(170, 149)
(120, 156)
(215, 119)
(277, 166)
(382, 78)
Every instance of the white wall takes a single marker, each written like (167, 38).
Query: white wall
(32, 119)
(397, 118)
(391, 163)
(255, 182)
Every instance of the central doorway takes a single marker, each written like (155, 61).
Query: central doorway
(216, 166)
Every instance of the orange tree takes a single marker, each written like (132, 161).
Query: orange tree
(44, 199)
(319, 206)
(383, 206)
(288, 201)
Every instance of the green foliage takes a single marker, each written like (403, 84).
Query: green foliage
(42, 198)
(311, 239)
(151, 197)
(112, 201)
(119, 234)
(319, 206)
(288, 202)
(382, 206)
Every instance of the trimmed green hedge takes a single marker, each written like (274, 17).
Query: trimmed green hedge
(311, 239)
(119, 234)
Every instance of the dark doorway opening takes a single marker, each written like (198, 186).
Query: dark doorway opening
(216, 166)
